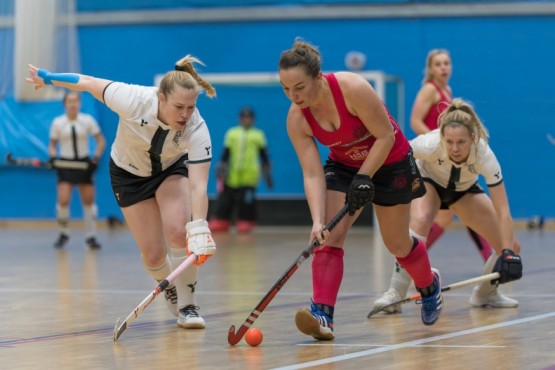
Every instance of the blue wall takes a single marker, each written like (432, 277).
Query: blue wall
(504, 66)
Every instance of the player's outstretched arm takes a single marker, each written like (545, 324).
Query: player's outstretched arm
(73, 81)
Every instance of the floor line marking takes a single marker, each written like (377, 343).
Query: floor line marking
(386, 345)
(413, 343)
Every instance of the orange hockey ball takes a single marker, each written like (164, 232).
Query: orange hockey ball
(254, 337)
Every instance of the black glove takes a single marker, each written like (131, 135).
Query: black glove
(509, 267)
(50, 163)
(93, 165)
(360, 193)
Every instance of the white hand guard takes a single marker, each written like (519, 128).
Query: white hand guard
(199, 240)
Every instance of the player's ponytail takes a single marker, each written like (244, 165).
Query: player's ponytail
(461, 113)
(186, 76)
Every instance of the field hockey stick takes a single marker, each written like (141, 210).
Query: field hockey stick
(460, 284)
(37, 163)
(233, 338)
(121, 326)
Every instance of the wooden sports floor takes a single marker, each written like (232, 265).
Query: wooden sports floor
(58, 308)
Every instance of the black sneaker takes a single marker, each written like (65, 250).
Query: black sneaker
(92, 243)
(61, 241)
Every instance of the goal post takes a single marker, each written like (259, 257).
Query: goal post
(389, 88)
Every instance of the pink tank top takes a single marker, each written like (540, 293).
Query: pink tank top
(431, 119)
(351, 142)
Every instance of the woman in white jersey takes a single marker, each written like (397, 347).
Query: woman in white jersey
(450, 160)
(69, 139)
(159, 167)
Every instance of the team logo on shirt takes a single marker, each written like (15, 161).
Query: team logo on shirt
(143, 122)
(177, 137)
(207, 148)
(471, 168)
(358, 153)
(440, 161)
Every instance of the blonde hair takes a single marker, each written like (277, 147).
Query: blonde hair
(185, 76)
(302, 54)
(429, 59)
(460, 113)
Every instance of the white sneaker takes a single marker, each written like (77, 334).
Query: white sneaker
(389, 297)
(171, 300)
(189, 318)
(495, 300)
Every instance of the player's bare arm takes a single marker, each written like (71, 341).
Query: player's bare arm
(73, 81)
(500, 202)
(198, 175)
(313, 174)
(426, 97)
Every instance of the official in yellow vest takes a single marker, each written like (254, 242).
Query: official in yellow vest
(244, 159)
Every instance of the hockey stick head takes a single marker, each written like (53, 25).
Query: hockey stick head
(232, 337)
(118, 330)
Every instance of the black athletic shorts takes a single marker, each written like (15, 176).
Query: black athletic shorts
(73, 176)
(394, 183)
(449, 197)
(130, 189)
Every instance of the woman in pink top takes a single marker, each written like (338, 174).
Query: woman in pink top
(432, 99)
(370, 161)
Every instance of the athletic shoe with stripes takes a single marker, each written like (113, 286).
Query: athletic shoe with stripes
(432, 300)
(171, 300)
(315, 323)
(189, 318)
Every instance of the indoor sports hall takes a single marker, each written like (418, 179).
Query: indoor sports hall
(61, 304)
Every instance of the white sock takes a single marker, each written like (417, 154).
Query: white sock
(400, 280)
(486, 288)
(89, 215)
(161, 272)
(62, 215)
(186, 282)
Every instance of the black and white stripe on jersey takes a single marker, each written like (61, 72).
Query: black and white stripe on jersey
(156, 145)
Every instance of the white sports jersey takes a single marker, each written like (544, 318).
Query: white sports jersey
(62, 128)
(434, 163)
(144, 145)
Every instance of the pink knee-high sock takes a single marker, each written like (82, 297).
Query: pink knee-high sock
(436, 232)
(417, 265)
(327, 274)
(484, 248)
